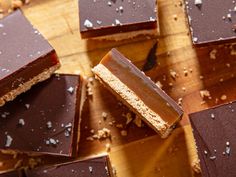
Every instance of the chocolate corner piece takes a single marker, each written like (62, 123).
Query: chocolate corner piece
(97, 166)
(26, 57)
(118, 20)
(214, 133)
(138, 92)
(47, 119)
(211, 22)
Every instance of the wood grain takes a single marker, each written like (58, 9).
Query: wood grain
(141, 153)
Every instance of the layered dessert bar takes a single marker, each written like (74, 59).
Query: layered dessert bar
(138, 92)
(26, 57)
(211, 21)
(96, 167)
(117, 20)
(45, 119)
(214, 132)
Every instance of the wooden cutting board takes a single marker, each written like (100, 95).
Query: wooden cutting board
(141, 153)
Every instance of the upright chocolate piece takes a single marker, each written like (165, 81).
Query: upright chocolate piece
(45, 119)
(97, 167)
(214, 132)
(117, 19)
(26, 58)
(211, 21)
(138, 92)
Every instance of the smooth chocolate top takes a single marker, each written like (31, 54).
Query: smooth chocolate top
(115, 13)
(214, 132)
(212, 21)
(97, 167)
(44, 119)
(154, 97)
(20, 44)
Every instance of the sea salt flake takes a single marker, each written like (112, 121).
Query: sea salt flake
(88, 24)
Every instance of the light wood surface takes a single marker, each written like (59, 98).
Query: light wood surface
(141, 153)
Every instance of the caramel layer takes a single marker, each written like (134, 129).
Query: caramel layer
(152, 96)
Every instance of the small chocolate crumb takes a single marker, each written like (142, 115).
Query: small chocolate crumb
(223, 97)
(123, 133)
(173, 74)
(213, 54)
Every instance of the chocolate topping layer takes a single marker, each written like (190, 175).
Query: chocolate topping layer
(214, 132)
(101, 17)
(211, 21)
(24, 53)
(45, 119)
(97, 167)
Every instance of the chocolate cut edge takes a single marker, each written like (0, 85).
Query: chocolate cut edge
(131, 100)
(148, 33)
(81, 96)
(104, 157)
(27, 85)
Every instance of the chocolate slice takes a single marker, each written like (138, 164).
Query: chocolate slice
(211, 21)
(117, 19)
(45, 119)
(138, 92)
(214, 132)
(26, 58)
(97, 167)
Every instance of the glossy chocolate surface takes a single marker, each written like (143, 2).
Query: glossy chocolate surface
(44, 119)
(155, 98)
(214, 132)
(212, 21)
(24, 53)
(115, 16)
(97, 167)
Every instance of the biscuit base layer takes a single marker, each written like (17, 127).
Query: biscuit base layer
(128, 35)
(27, 85)
(130, 99)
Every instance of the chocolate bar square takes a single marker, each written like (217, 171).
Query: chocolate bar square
(117, 19)
(214, 132)
(26, 57)
(211, 21)
(45, 119)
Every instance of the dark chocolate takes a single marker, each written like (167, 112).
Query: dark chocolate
(24, 52)
(98, 18)
(11, 174)
(214, 132)
(211, 21)
(45, 119)
(97, 167)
